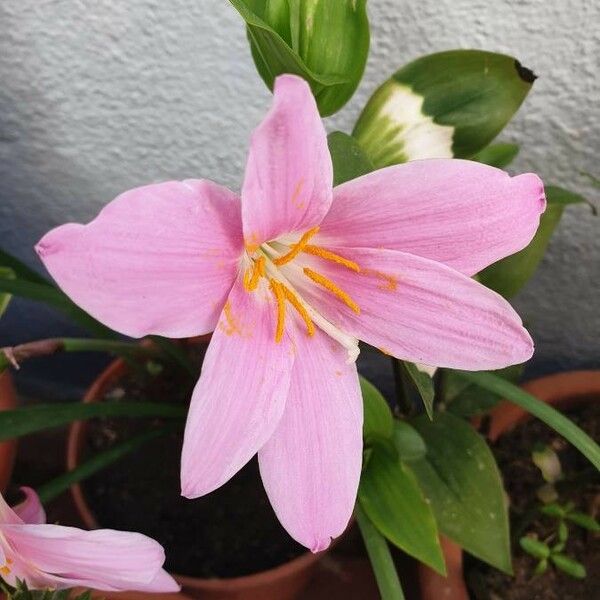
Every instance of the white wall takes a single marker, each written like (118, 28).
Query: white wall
(100, 96)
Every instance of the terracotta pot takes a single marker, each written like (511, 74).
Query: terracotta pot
(284, 582)
(563, 391)
(8, 400)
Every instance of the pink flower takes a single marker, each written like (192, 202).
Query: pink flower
(289, 277)
(56, 557)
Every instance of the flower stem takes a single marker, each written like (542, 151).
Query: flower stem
(380, 557)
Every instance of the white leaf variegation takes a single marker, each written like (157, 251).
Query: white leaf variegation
(395, 129)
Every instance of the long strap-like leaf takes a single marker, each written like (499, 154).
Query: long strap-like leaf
(22, 421)
(581, 440)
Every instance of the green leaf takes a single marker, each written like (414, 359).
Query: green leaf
(324, 42)
(390, 496)
(498, 155)
(349, 161)
(56, 487)
(510, 274)
(21, 270)
(586, 521)
(565, 427)
(44, 292)
(408, 442)
(534, 547)
(468, 400)
(447, 104)
(563, 532)
(380, 557)
(553, 510)
(378, 420)
(569, 566)
(541, 567)
(23, 421)
(460, 479)
(423, 384)
(5, 273)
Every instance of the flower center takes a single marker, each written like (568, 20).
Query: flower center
(267, 265)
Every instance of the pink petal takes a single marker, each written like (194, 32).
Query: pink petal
(311, 465)
(7, 514)
(159, 259)
(31, 509)
(241, 393)
(420, 310)
(288, 181)
(462, 213)
(103, 559)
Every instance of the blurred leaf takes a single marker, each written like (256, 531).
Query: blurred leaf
(447, 104)
(541, 567)
(569, 566)
(563, 532)
(390, 496)
(22, 592)
(22, 421)
(378, 420)
(423, 384)
(543, 411)
(47, 293)
(468, 400)
(553, 510)
(408, 442)
(534, 547)
(51, 490)
(547, 461)
(349, 161)
(497, 155)
(460, 479)
(586, 521)
(510, 274)
(324, 42)
(21, 270)
(5, 273)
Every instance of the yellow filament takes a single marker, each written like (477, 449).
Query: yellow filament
(333, 288)
(283, 293)
(280, 297)
(327, 255)
(5, 571)
(293, 300)
(296, 248)
(253, 274)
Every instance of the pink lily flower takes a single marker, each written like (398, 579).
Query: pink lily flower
(289, 277)
(56, 557)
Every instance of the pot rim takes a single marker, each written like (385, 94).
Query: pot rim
(76, 435)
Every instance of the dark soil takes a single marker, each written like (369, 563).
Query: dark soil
(522, 478)
(230, 532)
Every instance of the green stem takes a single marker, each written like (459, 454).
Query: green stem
(54, 488)
(14, 355)
(565, 427)
(380, 557)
